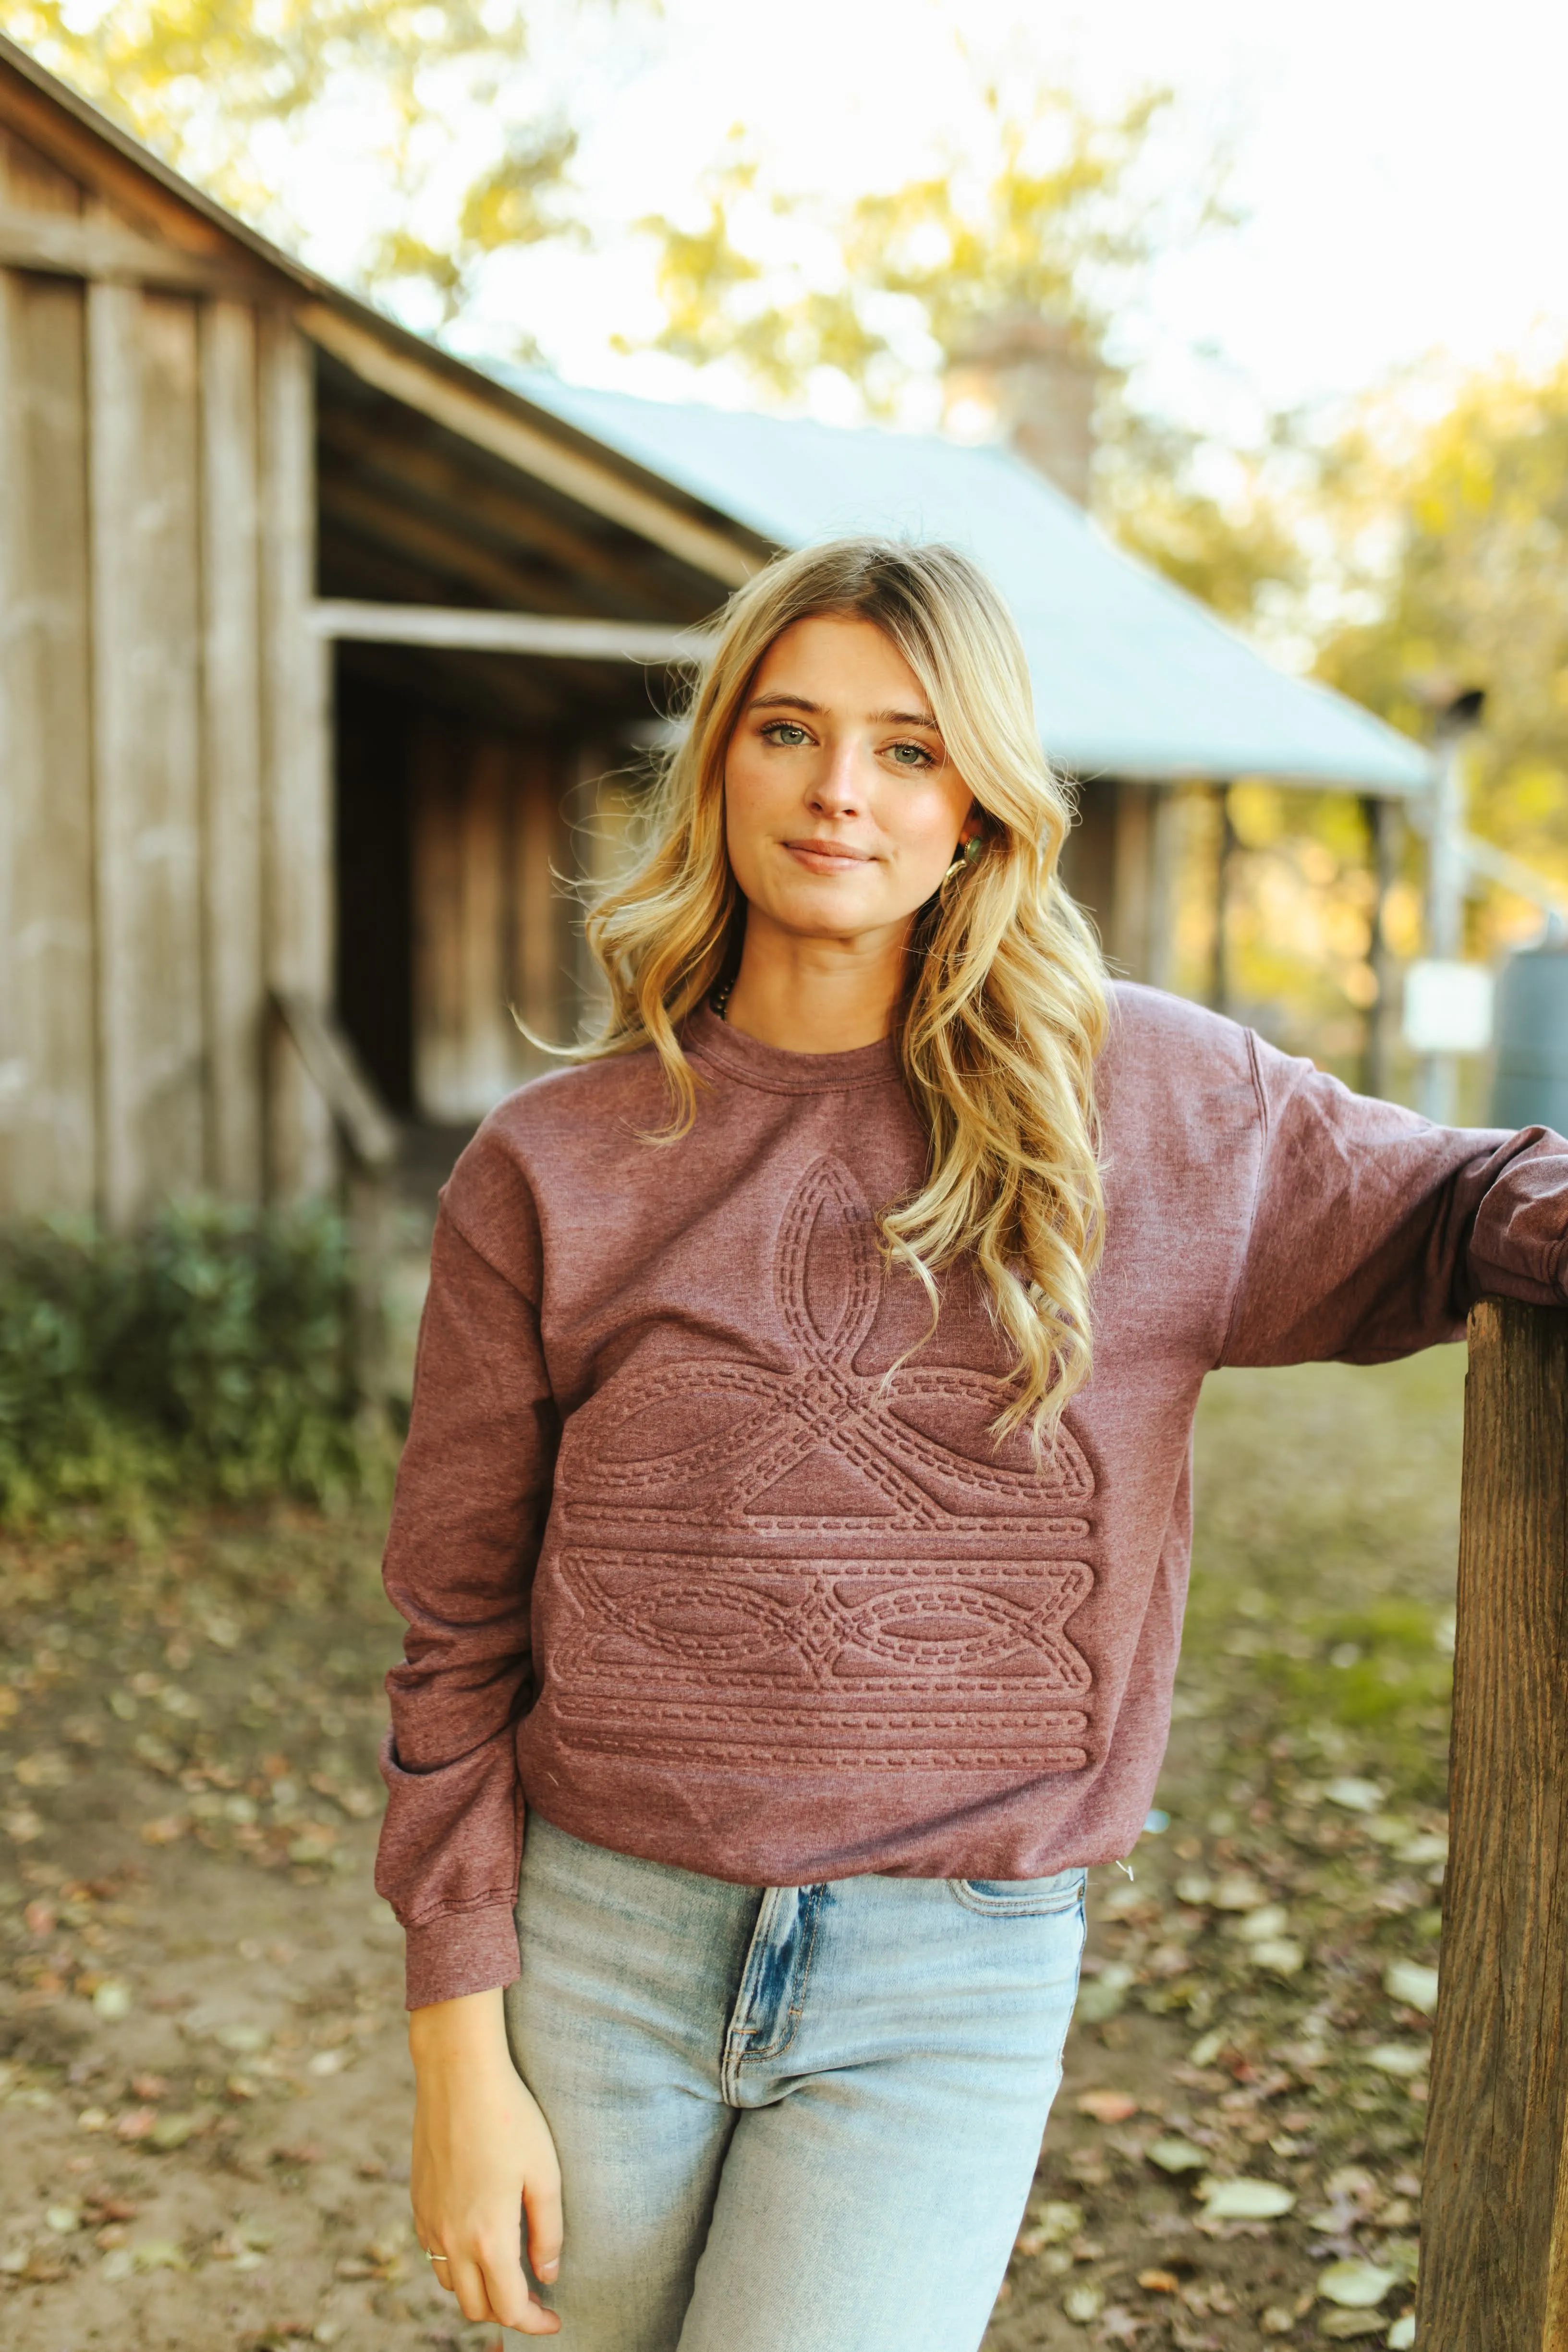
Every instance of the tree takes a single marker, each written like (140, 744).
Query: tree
(899, 281)
(895, 284)
(227, 90)
(1054, 213)
(1457, 539)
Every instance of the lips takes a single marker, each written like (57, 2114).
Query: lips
(827, 855)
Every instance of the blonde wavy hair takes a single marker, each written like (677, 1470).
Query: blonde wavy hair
(1005, 1011)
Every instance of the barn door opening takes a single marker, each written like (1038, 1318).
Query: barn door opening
(452, 834)
(375, 885)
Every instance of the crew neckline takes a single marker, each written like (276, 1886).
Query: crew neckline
(777, 1070)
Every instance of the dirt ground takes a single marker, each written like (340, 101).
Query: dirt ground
(204, 2086)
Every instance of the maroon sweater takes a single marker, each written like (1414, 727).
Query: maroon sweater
(700, 1561)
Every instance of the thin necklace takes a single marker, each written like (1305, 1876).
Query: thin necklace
(720, 998)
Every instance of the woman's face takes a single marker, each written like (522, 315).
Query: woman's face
(842, 809)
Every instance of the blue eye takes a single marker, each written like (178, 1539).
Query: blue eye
(786, 732)
(911, 755)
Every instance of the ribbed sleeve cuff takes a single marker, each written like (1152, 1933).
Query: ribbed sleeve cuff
(460, 1952)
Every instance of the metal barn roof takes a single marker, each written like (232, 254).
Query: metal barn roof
(1132, 678)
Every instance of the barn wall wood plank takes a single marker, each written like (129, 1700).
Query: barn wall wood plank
(101, 250)
(490, 1048)
(438, 891)
(468, 1052)
(131, 187)
(541, 953)
(566, 638)
(601, 808)
(499, 425)
(231, 739)
(47, 1108)
(30, 183)
(297, 806)
(142, 391)
(1494, 2241)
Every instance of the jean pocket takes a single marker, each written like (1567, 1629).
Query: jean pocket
(1020, 1898)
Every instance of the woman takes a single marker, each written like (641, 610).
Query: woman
(762, 1535)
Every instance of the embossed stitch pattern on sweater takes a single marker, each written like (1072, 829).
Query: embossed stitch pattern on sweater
(783, 1568)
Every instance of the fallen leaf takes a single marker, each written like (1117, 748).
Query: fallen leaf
(1401, 2335)
(1237, 1891)
(1246, 2199)
(1355, 1796)
(1425, 1847)
(1082, 2303)
(166, 1830)
(111, 1999)
(171, 2131)
(1107, 2107)
(1279, 1954)
(1051, 2223)
(1355, 2285)
(1159, 2282)
(1414, 1984)
(1175, 2156)
(21, 1824)
(1400, 2057)
(159, 2254)
(1341, 2324)
(243, 2041)
(1103, 1997)
(1258, 1927)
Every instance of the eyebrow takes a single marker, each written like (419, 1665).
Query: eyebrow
(878, 718)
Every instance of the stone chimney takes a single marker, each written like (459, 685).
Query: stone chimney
(1030, 381)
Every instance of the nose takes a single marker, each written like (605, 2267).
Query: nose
(837, 788)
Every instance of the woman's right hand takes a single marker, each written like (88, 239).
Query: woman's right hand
(482, 2156)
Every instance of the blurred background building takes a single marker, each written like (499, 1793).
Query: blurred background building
(328, 654)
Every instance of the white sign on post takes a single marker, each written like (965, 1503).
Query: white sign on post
(1449, 1007)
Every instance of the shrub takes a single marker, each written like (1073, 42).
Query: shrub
(206, 1357)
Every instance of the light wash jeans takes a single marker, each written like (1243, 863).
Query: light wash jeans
(790, 2119)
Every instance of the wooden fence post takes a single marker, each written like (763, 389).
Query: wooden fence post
(1494, 2233)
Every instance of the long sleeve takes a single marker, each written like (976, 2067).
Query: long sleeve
(1373, 1231)
(473, 1493)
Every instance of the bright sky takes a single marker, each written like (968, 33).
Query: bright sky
(1401, 163)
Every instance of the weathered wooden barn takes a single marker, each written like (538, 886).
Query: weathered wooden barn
(315, 644)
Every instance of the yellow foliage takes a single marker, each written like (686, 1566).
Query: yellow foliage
(1041, 222)
(1475, 509)
(197, 80)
